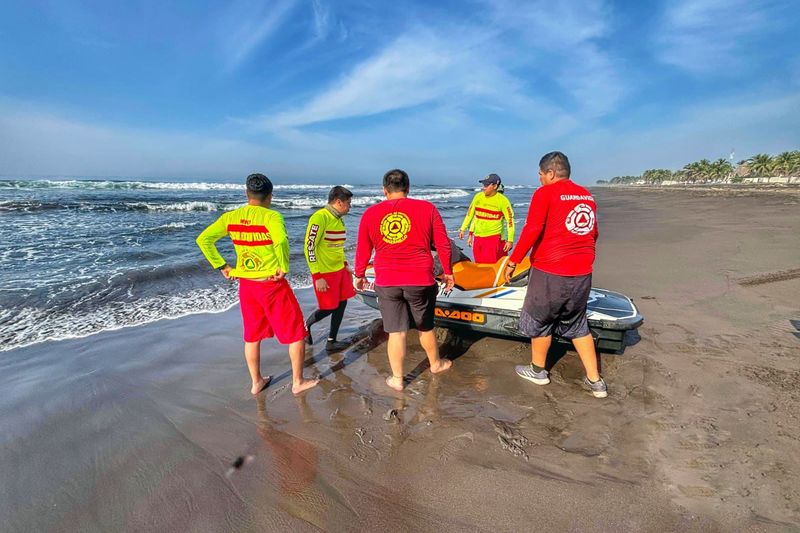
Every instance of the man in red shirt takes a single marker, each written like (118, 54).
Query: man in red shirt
(562, 230)
(400, 231)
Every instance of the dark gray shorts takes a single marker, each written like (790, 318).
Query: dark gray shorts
(555, 304)
(403, 308)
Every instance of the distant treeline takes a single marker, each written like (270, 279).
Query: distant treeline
(719, 171)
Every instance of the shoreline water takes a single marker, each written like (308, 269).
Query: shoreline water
(143, 428)
(100, 255)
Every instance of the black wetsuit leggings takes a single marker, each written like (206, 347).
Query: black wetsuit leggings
(336, 318)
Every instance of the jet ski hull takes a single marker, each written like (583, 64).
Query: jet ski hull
(496, 312)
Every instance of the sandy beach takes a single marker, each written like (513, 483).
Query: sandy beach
(153, 428)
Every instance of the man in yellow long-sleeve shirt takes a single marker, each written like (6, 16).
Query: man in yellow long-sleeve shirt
(489, 209)
(324, 250)
(269, 307)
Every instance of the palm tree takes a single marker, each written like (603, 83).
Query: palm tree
(762, 165)
(721, 169)
(656, 175)
(705, 169)
(787, 163)
(691, 172)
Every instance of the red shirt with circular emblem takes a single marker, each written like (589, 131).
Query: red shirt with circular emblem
(561, 228)
(401, 232)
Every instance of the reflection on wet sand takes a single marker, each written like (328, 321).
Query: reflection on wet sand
(289, 475)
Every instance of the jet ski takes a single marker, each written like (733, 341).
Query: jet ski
(482, 302)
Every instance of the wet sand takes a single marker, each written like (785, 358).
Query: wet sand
(153, 428)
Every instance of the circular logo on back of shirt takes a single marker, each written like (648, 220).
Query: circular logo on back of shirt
(580, 220)
(250, 261)
(395, 227)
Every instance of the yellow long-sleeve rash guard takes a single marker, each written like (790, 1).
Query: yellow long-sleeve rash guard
(324, 243)
(259, 238)
(487, 215)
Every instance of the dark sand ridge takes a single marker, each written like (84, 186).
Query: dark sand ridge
(138, 429)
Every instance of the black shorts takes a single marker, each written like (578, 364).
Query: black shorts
(403, 308)
(555, 304)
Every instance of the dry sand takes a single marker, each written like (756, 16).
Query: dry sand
(153, 428)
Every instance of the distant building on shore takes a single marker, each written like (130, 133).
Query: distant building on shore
(780, 179)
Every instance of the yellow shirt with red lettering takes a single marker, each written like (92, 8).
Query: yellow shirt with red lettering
(325, 239)
(259, 238)
(487, 213)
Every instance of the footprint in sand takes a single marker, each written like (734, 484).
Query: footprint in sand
(586, 445)
(455, 445)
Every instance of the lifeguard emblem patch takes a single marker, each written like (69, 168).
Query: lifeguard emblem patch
(395, 227)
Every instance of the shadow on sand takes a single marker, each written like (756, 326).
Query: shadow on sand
(364, 340)
(452, 345)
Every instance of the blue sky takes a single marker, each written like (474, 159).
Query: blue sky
(314, 91)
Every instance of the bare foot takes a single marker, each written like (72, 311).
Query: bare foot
(395, 383)
(442, 365)
(260, 385)
(304, 385)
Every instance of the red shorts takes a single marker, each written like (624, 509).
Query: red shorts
(340, 287)
(488, 249)
(269, 309)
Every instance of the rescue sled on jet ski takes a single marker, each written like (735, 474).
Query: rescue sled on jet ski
(482, 302)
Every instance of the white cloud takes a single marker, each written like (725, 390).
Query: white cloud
(441, 145)
(322, 18)
(555, 25)
(593, 81)
(563, 40)
(418, 68)
(407, 73)
(709, 35)
(39, 142)
(465, 63)
(248, 24)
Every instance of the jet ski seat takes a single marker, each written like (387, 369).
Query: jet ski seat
(470, 276)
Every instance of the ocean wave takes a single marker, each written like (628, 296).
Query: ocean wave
(508, 187)
(29, 205)
(179, 206)
(298, 203)
(25, 206)
(440, 194)
(214, 186)
(302, 186)
(172, 226)
(364, 201)
(29, 325)
(146, 185)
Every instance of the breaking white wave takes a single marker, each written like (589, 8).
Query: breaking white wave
(440, 194)
(302, 202)
(174, 225)
(281, 202)
(180, 206)
(146, 185)
(308, 203)
(28, 325)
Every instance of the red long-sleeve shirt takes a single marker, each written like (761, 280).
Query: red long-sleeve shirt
(561, 228)
(401, 232)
